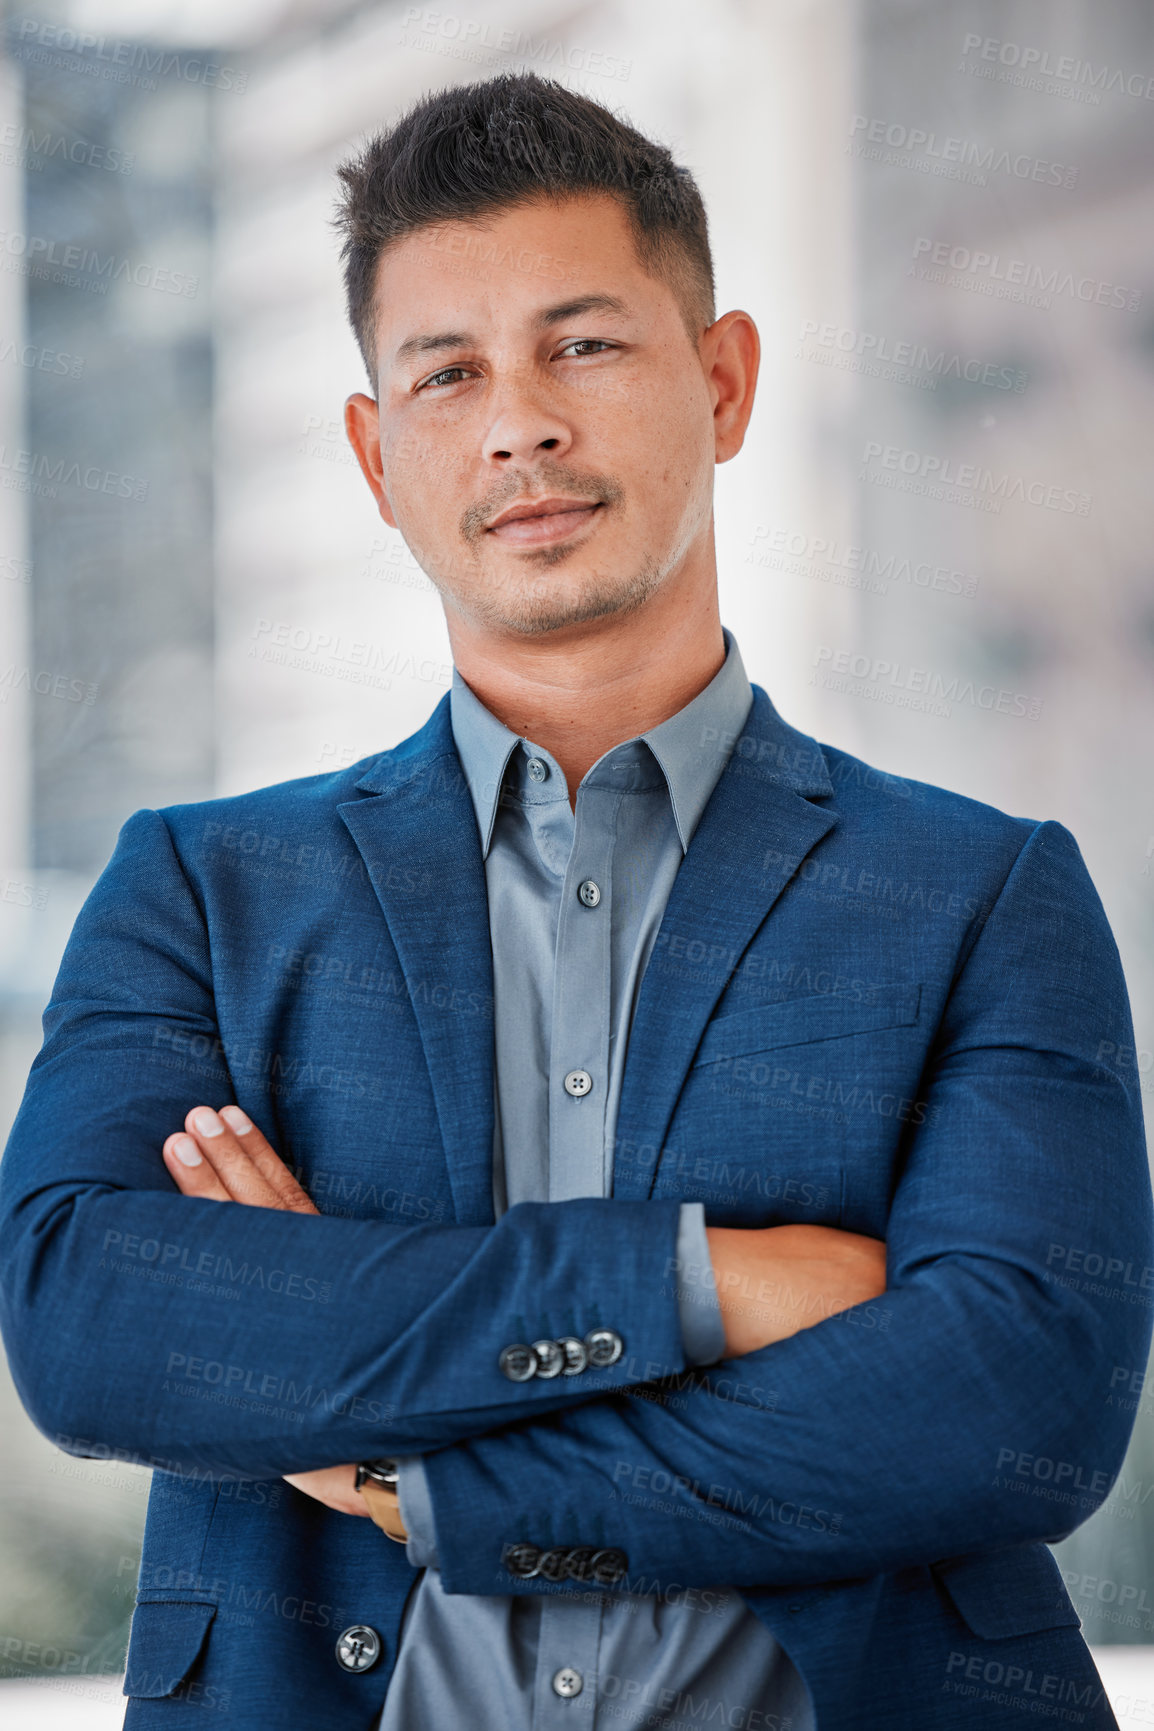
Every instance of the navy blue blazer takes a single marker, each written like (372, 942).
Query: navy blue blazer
(872, 1004)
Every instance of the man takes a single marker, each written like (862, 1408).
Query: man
(575, 1059)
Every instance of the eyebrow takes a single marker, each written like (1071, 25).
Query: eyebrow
(554, 315)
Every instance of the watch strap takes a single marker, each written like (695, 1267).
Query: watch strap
(385, 1508)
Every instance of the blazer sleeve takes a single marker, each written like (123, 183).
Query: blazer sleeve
(972, 1407)
(126, 1325)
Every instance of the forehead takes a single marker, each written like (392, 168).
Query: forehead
(516, 260)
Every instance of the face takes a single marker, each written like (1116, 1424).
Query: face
(545, 431)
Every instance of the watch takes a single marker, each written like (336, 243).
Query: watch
(377, 1482)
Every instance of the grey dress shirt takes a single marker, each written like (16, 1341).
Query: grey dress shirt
(575, 902)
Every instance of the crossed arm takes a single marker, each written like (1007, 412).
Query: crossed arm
(919, 1438)
(224, 1157)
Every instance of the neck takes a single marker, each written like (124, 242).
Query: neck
(581, 691)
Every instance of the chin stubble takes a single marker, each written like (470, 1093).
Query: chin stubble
(538, 608)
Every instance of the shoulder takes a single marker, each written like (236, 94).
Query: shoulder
(864, 792)
(311, 801)
(917, 824)
(304, 802)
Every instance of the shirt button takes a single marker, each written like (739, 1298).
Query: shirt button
(589, 893)
(578, 1082)
(358, 1648)
(567, 1682)
(537, 770)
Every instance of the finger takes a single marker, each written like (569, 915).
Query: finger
(194, 1175)
(242, 1179)
(267, 1161)
(333, 1486)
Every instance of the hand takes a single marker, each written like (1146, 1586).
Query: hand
(224, 1157)
(774, 1281)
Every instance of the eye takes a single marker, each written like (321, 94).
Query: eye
(586, 342)
(441, 377)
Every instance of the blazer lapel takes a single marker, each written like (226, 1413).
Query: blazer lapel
(418, 838)
(758, 817)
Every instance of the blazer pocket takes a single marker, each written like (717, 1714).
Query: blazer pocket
(1002, 1593)
(823, 1017)
(164, 1643)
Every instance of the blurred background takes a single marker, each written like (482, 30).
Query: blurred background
(935, 549)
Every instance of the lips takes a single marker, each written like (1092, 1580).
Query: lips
(526, 508)
(540, 522)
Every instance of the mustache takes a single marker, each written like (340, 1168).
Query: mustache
(519, 485)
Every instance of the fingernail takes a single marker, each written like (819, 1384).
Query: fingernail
(206, 1123)
(236, 1119)
(186, 1150)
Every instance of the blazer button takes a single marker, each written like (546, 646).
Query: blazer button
(554, 1564)
(358, 1647)
(521, 1560)
(580, 1558)
(576, 1358)
(607, 1567)
(550, 1358)
(604, 1347)
(518, 1362)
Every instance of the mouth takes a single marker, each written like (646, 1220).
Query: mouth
(542, 520)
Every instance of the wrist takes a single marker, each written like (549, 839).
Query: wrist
(376, 1480)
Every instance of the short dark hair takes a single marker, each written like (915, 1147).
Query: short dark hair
(462, 153)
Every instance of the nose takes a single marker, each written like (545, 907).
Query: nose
(524, 426)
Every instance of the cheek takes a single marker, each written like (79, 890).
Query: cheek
(421, 486)
(676, 438)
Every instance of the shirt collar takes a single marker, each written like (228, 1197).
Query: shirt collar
(692, 746)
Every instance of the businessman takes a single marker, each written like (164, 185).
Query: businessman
(610, 1213)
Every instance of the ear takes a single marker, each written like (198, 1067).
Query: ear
(363, 426)
(730, 355)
